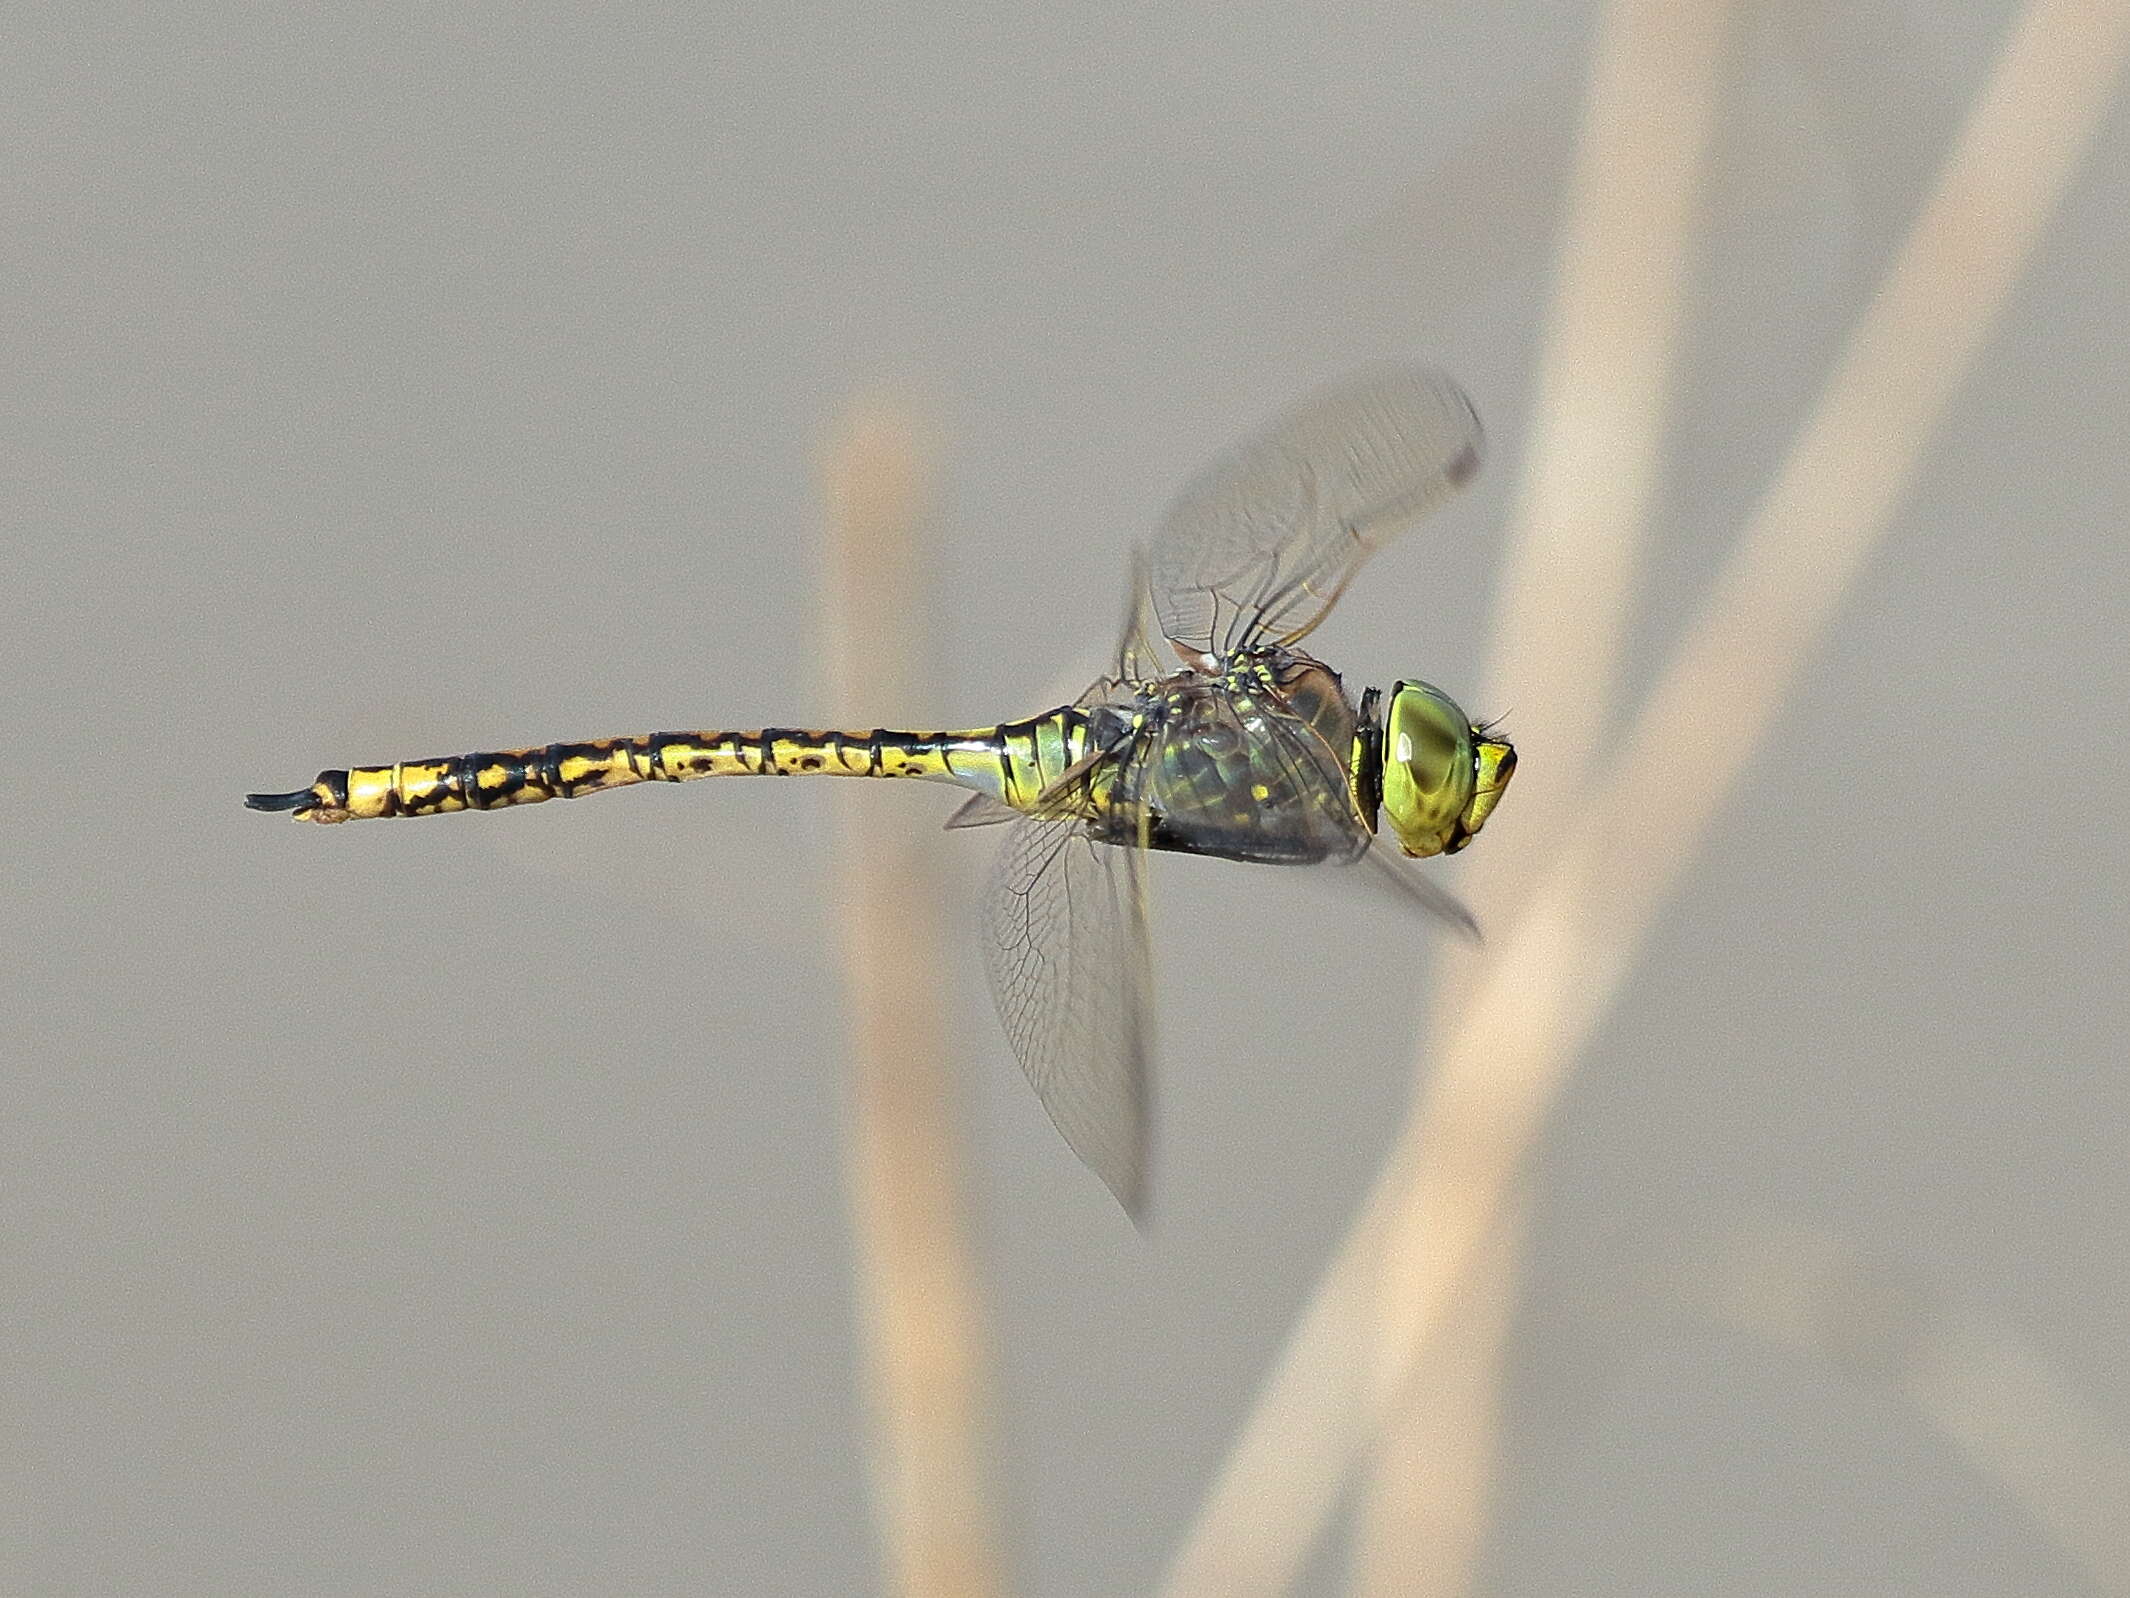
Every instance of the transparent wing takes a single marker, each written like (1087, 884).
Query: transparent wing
(1401, 877)
(1139, 654)
(1065, 947)
(981, 810)
(1259, 545)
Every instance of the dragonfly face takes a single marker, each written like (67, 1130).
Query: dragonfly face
(1442, 775)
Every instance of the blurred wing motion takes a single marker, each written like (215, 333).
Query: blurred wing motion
(1261, 543)
(1065, 947)
(1254, 552)
(1140, 657)
(1415, 891)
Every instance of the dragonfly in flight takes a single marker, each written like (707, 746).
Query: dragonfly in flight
(1212, 733)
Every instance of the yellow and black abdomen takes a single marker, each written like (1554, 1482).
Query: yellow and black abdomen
(483, 781)
(1012, 763)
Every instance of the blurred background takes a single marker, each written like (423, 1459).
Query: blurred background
(464, 1206)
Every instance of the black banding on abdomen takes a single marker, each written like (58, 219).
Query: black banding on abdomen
(462, 782)
(586, 755)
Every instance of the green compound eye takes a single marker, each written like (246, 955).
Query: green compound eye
(1442, 775)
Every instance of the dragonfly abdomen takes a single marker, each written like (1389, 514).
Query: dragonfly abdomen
(1010, 763)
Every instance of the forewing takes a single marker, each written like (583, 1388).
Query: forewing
(1259, 545)
(1138, 650)
(1402, 878)
(1065, 946)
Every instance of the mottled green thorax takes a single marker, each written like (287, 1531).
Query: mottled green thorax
(1418, 761)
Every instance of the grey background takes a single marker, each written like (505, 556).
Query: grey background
(459, 1206)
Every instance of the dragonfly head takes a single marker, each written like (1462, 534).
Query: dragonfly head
(1443, 774)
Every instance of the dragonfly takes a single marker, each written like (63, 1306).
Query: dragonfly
(1211, 733)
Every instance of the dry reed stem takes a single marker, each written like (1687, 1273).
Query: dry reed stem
(2016, 1420)
(1541, 987)
(1422, 1519)
(1598, 423)
(921, 1319)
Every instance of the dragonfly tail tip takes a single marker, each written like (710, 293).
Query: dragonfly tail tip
(278, 801)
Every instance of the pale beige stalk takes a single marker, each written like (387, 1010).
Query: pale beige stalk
(1591, 466)
(1549, 975)
(920, 1313)
(2017, 1420)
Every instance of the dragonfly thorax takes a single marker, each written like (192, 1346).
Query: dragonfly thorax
(1423, 765)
